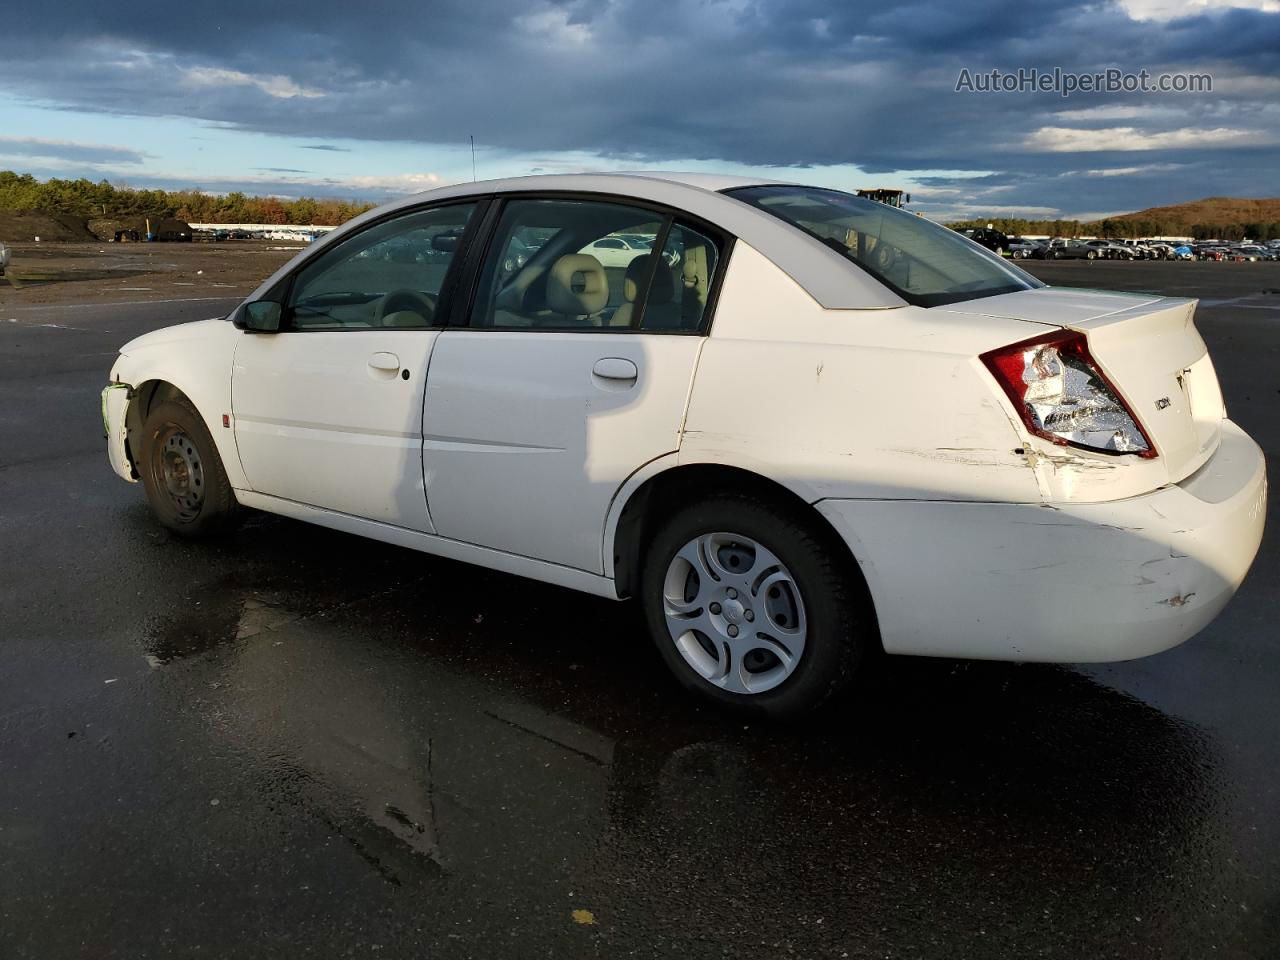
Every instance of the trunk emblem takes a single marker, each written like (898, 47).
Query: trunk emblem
(1162, 403)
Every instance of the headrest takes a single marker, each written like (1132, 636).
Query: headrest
(664, 284)
(577, 285)
(695, 266)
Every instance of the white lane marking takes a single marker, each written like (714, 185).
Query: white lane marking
(117, 303)
(31, 325)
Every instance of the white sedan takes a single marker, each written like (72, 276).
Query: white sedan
(615, 251)
(811, 428)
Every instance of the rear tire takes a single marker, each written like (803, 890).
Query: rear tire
(182, 473)
(779, 638)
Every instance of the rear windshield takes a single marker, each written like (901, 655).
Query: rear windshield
(921, 261)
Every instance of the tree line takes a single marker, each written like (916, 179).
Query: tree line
(1123, 227)
(100, 199)
(92, 200)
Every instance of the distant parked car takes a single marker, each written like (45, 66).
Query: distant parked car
(4, 258)
(993, 240)
(1110, 250)
(1021, 248)
(518, 254)
(1183, 253)
(616, 251)
(1069, 250)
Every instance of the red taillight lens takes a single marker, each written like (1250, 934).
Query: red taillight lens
(1063, 396)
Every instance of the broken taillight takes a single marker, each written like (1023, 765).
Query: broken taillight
(1063, 396)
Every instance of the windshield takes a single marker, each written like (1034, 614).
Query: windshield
(924, 263)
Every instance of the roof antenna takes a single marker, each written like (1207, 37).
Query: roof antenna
(473, 158)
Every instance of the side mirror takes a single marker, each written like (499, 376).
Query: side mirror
(261, 316)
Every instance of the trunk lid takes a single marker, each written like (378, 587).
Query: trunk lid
(1149, 348)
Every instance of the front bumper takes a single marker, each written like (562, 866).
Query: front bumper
(116, 398)
(1062, 582)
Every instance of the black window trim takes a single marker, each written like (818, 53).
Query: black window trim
(478, 252)
(283, 290)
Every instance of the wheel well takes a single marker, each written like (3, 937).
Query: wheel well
(145, 396)
(661, 495)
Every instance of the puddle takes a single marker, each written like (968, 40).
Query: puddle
(206, 626)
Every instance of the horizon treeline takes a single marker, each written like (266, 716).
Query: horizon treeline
(102, 200)
(99, 199)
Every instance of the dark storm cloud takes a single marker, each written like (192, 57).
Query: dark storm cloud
(785, 83)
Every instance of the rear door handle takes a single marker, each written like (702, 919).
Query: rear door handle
(615, 368)
(385, 361)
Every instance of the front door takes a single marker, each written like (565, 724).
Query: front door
(328, 412)
(569, 377)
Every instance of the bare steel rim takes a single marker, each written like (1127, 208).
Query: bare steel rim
(180, 471)
(734, 612)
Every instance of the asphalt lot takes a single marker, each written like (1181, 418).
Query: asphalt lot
(299, 743)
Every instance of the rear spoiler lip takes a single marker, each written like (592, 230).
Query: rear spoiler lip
(1111, 316)
(1158, 305)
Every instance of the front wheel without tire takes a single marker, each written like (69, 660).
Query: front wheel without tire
(182, 472)
(754, 607)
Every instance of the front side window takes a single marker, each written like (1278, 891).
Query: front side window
(571, 268)
(921, 261)
(390, 275)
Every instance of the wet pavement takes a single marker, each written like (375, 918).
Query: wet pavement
(298, 743)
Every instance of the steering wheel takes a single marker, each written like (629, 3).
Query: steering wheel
(394, 301)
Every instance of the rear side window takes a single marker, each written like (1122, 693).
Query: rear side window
(921, 261)
(681, 282)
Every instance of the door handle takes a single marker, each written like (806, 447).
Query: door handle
(385, 361)
(615, 368)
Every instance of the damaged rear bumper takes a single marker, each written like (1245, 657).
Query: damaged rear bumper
(116, 398)
(1068, 582)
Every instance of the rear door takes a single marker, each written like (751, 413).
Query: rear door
(568, 376)
(328, 412)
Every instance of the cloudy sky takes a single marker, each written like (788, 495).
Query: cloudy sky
(370, 100)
